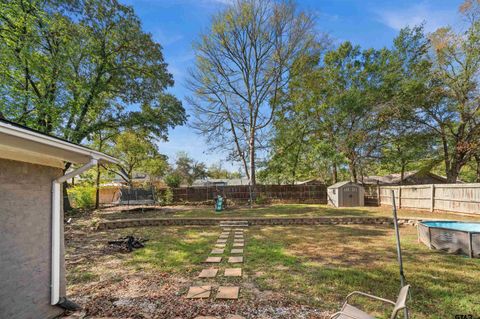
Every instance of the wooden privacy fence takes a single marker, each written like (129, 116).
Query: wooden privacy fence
(461, 198)
(293, 193)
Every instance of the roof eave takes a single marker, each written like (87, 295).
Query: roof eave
(23, 143)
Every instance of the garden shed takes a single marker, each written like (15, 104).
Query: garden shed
(345, 194)
(32, 263)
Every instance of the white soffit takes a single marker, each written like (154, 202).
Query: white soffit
(21, 144)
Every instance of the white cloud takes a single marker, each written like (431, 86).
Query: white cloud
(415, 15)
(178, 65)
(225, 2)
(164, 38)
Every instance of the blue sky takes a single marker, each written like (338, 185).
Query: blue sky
(175, 24)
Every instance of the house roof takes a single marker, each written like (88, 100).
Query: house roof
(308, 181)
(18, 142)
(220, 181)
(396, 177)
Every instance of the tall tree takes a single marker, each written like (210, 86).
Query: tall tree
(138, 153)
(241, 66)
(337, 109)
(188, 169)
(71, 68)
(440, 90)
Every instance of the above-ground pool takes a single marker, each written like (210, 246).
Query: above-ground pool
(452, 236)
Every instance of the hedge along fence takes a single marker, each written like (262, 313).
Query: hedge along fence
(286, 193)
(460, 198)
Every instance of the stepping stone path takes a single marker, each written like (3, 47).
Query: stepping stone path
(227, 292)
(199, 292)
(222, 246)
(213, 259)
(233, 272)
(234, 260)
(208, 273)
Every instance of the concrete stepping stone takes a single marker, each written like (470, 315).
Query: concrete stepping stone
(235, 259)
(213, 259)
(220, 245)
(221, 241)
(233, 272)
(224, 236)
(237, 251)
(238, 237)
(198, 292)
(225, 292)
(227, 229)
(217, 251)
(238, 241)
(238, 244)
(208, 273)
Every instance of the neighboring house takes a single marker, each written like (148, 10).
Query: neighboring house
(409, 178)
(220, 182)
(313, 181)
(32, 263)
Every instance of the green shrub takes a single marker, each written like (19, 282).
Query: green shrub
(261, 200)
(168, 197)
(82, 196)
(173, 180)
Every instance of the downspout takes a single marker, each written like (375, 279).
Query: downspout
(56, 226)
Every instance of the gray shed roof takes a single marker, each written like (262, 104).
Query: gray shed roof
(340, 184)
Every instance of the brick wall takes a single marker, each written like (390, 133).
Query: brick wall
(25, 240)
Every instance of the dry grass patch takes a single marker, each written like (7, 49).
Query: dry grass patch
(319, 266)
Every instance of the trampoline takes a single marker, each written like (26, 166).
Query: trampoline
(451, 236)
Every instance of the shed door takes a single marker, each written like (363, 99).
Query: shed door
(350, 196)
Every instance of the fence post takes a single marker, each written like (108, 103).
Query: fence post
(432, 194)
(379, 200)
(399, 197)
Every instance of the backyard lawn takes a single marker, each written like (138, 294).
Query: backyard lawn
(273, 211)
(289, 271)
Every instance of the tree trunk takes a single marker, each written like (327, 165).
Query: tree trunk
(477, 159)
(402, 174)
(335, 173)
(253, 180)
(353, 171)
(453, 171)
(97, 188)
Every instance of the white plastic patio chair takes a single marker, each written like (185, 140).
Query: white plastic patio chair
(350, 312)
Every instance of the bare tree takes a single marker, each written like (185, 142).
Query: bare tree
(242, 65)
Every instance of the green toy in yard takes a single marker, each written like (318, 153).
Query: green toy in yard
(219, 203)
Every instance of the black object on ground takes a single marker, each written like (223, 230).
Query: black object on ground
(129, 243)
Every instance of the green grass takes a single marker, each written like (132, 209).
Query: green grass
(173, 249)
(79, 275)
(309, 265)
(319, 266)
(281, 210)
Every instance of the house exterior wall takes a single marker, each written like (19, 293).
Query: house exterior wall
(25, 240)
